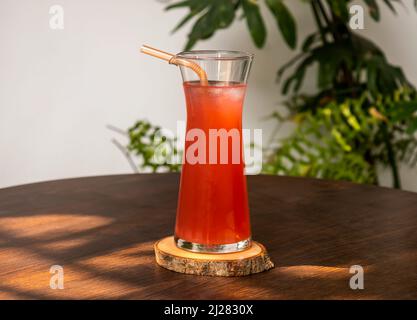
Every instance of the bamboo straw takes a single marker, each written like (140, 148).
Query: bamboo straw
(172, 59)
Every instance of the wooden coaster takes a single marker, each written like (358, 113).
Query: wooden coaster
(250, 261)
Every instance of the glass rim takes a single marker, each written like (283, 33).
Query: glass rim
(226, 55)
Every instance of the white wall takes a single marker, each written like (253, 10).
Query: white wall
(60, 88)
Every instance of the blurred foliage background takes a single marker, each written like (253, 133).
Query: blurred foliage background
(364, 111)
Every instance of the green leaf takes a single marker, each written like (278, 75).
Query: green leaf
(195, 6)
(288, 65)
(255, 22)
(219, 15)
(403, 110)
(202, 29)
(190, 43)
(298, 76)
(372, 78)
(339, 8)
(225, 13)
(412, 128)
(308, 42)
(285, 21)
(364, 46)
(180, 4)
(326, 74)
(373, 9)
(331, 57)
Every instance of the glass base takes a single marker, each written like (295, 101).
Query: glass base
(215, 248)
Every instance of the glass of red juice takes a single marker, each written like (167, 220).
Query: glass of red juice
(213, 212)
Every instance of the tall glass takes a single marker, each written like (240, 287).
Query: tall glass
(213, 213)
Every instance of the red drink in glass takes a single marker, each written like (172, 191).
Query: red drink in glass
(213, 213)
(213, 202)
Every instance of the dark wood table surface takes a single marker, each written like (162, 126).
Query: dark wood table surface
(101, 230)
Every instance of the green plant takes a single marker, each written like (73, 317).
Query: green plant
(349, 66)
(346, 141)
(153, 148)
(348, 63)
(363, 113)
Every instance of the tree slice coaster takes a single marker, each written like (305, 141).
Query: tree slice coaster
(250, 261)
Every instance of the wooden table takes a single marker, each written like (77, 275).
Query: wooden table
(101, 231)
